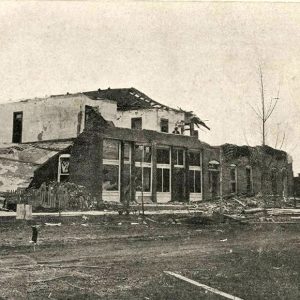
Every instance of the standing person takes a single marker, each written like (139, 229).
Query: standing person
(34, 237)
(176, 131)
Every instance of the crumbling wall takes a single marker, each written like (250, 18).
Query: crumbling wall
(57, 117)
(271, 171)
(150, 118)
(48, 171)
(86, 162)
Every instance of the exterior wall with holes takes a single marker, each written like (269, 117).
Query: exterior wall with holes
(150, 118)
(58, 117)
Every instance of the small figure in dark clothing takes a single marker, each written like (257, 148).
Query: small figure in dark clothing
(34, 235)
(176, 131)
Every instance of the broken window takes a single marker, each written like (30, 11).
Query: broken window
(127, 152)
(111, 149)
(136, 123)
(17, 127)
(143, 179)
(195, 181)
(63, 167)
(249, 179)
(179, 157)
(163, 170)
(164, 125)
(194, 158)
(143, 167)
(143, 153)
(110, 178)
(163, 180)
(111, 165)
(163, 156)
(233, 179)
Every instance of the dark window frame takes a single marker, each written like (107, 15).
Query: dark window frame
(164, 125)
(133, 123)
(163, 185)
(194, 156)
(164, 158)
(195, 181)
(233, 179)
(17, 132)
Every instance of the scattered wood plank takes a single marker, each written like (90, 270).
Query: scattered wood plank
(52, 224)
(240, 202)
(206, 287)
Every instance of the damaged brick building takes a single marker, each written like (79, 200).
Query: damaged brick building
(124, 146)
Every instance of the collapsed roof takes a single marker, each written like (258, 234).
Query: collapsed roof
(132, 99)
(19, 161)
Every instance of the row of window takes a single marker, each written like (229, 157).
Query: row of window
(111, 151)
(143, 164)
(137, 123)
(111, 169)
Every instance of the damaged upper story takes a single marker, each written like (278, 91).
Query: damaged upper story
(65, 116)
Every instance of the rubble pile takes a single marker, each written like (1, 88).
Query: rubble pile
(248, 209)
(60, 196)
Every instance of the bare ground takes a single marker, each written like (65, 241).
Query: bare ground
(110, 258)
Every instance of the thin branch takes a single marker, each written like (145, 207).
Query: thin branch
(270, 113)
(283, 139)
(257, 113)
(270, 106)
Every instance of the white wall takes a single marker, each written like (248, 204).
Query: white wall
(150, 118)
(62, 117)
(51, 118)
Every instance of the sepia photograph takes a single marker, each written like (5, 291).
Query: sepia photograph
(150, 150)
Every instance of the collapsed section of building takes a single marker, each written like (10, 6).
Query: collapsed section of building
(123, 146)
(118, 164)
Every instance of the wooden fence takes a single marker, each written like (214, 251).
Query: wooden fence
(52, 197)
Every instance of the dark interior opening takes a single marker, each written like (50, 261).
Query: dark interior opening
(17, 127)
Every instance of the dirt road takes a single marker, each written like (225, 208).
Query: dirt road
(116, 258)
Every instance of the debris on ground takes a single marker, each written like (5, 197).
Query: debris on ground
(53, 224)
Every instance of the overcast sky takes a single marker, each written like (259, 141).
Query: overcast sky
(202, 57)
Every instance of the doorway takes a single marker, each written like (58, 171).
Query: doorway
(17, 127)
(178, 182)
(214, 184)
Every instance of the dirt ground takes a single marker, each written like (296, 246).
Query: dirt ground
(121, 257)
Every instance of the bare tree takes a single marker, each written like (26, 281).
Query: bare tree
(263, 113)
(266, 110)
